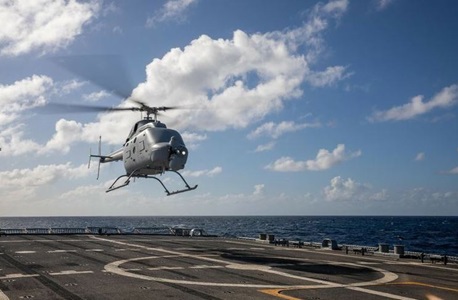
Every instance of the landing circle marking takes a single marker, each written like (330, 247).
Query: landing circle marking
(115, 267)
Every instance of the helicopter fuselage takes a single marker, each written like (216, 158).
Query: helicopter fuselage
(152, 148)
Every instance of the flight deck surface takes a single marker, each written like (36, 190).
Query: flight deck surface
(174, 267)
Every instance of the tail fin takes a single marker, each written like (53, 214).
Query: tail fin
(99, 156)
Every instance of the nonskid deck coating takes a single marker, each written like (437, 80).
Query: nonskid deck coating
(158, 267)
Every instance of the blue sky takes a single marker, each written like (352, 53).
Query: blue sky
(303, 107)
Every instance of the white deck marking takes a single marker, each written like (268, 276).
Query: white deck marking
(115, 268)
(3, 296)
(368, 263)
(425, 264)
(25, 252)
(185, 249)
(94, 250)
(70, 272)
(165, 268)
(382, 294)
(18, 275)
(61, 251)
(206, 267)
(41, 241)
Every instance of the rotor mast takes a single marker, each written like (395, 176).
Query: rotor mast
(151, 110)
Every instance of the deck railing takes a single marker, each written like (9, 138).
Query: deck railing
(105, 230)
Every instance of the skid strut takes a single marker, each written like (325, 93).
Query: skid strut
(132, 175)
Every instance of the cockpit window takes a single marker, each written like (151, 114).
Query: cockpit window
(137, 126)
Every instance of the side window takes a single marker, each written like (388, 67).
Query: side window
(142, 145)
(128, 154)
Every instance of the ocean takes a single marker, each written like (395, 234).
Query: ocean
(423, 234)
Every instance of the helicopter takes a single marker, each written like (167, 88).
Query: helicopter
(150, 148)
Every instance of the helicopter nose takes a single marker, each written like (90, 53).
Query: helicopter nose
(178, 158)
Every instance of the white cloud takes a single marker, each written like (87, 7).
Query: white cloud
(287, 164)
(33, 92)
(69, 86)
(344, 189)
(327, 77)
(41, 175)
(420, 156)
(258, 189)
(453, 171)
(383, 4)
(200, 173)
(317, 22)
(341, 189)
(117, 30)
(447, 97)
(96, 96)
(27, 26)
(113, 128)
(19, 188)
(13, 143)
(192, 139)
(171, 10)
(21, 95)
(67, 132)
(276, 130)
(421, 199)
(323, 161)
(206, 66)
(265, 147)
(81, 192)
(211, 75)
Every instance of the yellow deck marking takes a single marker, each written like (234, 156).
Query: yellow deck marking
(277, 293)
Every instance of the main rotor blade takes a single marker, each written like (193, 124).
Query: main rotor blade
(106, 71)
(66, 108)
(81, 108)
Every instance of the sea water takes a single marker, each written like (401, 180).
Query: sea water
(422, 234)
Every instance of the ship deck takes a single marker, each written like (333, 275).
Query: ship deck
(160, 267)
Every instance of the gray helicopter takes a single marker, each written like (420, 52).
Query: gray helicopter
(150, 149)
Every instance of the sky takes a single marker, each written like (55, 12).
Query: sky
(292, 107)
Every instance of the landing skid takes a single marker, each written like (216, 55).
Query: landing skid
(127, 181)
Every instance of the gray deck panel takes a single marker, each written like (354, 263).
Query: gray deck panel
(146, 267)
